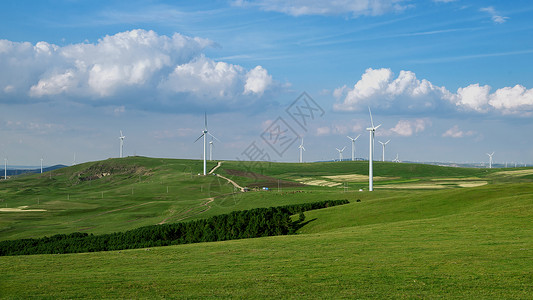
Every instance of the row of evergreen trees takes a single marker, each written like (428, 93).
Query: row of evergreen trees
(252, 223)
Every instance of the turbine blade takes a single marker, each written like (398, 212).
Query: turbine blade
(199, 137)
(350, 138)
(357, 137)
(387, 142)
(371, 120)
(205, 119)
(213, 136)
(376, 127)
(343, 148)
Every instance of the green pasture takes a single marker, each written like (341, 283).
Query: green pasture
(425, 232)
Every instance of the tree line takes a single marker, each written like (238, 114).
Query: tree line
(258, 222)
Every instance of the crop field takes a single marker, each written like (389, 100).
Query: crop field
(425, 232)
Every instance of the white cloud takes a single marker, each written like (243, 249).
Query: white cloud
(474, 97)
(320, 131)
(340, 129)
(379, 89)
(517, 99)
(496, 17)
(406, 128)
(125, 66)
(257, 81)
(318, 7)
(455, 132)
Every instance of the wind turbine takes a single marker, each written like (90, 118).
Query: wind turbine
(371, 131)
(396, 160)
(340, 152)
(301, 147)
(121, 137)
(204, 134)
(211, 144)
(353, 145)
(383, 144)
(41, 166)
(490, 159)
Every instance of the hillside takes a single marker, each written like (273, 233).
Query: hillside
(122, 194)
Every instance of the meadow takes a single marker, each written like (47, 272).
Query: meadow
(424, 232)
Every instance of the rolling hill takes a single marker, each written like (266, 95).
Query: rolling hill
(426, 232)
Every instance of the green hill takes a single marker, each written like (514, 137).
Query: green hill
(426, 232)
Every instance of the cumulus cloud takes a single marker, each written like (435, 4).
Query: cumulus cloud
(380, 89)
(318, 7)
(455, 132)
(131, 63)
(496, 17)
(406, 128)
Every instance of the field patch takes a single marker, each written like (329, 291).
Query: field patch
(444, 184)
(515, 173)
(317, 182)
(357, 178)
(19, 209)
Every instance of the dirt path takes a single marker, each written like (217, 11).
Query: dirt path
(216, 167)
(225, 178)
(232, 182)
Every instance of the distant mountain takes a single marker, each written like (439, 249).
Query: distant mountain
(22, 170)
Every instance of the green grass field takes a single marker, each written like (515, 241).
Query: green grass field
(426, 232)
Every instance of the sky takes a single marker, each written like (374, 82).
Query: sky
(449, 80)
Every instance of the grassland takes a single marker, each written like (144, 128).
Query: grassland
(405, 242)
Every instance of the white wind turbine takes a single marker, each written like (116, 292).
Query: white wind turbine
(121, 137)
(204, 134)
(301, 147)
(383, 144)
(371, 131)
(396, 160)
(490, 159)
(353, 145)
(340, 152)
(211, 144)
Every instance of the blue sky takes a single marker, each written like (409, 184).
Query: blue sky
(449, 80)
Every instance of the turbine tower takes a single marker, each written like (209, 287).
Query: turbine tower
(204, 134)
(121, 137)
(490, 159)
(301, 147)
(340, 152)
(41, 166)
(211, 144)
(383, 144)
(371, 131)
(353, 145)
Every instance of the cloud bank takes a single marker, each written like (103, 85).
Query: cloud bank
(137, 67)
(406, 93)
